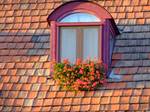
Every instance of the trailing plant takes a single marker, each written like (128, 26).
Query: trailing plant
(86, 75)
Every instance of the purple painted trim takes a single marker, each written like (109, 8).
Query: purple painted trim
(107, 23)
(71, 7)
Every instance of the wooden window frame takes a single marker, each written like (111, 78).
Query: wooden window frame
(79, 41)
(107, 23)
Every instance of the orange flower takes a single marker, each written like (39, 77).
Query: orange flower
(65, 61)
(92, 64)
(78, 61)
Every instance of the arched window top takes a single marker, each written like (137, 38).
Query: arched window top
(80, 17)
(88, 7)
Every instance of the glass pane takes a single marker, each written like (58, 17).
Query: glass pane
(90, 44)
(68, 44)
(80, 17)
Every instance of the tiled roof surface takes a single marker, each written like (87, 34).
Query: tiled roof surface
(24, 60)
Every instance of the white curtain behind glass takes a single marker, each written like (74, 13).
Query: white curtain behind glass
(68, 44)
(90, 43)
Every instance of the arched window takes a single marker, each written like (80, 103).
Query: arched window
(80, 17)
(81, 30)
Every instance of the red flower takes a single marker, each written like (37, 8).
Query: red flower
(94, 84)
(81, 71)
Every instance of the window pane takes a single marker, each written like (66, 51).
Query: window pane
(80, 17)
(90, 44)
(68, 44)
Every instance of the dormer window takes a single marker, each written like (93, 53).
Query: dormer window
(82, 30)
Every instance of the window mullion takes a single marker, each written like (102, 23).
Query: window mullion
(79, 42)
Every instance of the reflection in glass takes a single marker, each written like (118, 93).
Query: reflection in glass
(80, 17)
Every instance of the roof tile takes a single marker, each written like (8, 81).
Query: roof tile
(108, 93)
(46, 109)
(105, 100)
(115, 100)
(146, 8)
(67, 101)
(146, 92)
(23, 94)
(115, 107)
(129, 9)
(127, 92)
(124, 99)
(144, 107)
(143, 2)
(76, 101)
(35, 87)
(134, 107)
(139, 15)
(144, 99)
(17, 109)
(26, 87)
(126, 2)
(16, 87)
(95, 100)
(4, 79)
(137, 92)
(134, 99)
(36, 109)
(94, 107)
(66, 108)
(23, 79)
(42, 80)
(32, 79)
(7, 109)
(57, 101)
(38, 102)
(75, 108)
(7, 86)
(44, 87)
(4, 94)
(48, 102)
(32, 94)
(19, 102)
(61, 94)
(140, 21)
(70, 94)
(124, 107)
(86, 101)
(51, 94)
(108, 3)
(28, 102)
(137, 8)
(1, 101)
(42, 94)
(9, 102)
(80, 94)
(85, 108)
